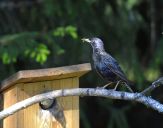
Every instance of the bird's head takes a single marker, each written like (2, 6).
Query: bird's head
(95, 42)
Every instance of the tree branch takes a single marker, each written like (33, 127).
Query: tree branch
(154, 85)
(99, 92)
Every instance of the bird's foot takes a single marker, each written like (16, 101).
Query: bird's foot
(116, 85)
(99, 87)
(107, 85)
(128, 87)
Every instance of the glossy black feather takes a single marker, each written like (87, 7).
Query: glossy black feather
(106, 66)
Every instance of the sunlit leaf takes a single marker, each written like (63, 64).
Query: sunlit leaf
(6, 58)
(72, 31)
(60, 31)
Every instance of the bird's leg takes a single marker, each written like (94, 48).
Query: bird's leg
(116, 85)
(128, 87)
(107, 85)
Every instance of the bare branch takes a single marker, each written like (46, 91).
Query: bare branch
(99, 92)
(154, 85)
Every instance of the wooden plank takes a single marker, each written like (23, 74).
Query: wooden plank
(20, 97)
(10, 98)
(31, 113)
(75, 105)
(67, 102)
(45, 74)
(56, 84)
(28, 112)
(41, 121)
(47, 86)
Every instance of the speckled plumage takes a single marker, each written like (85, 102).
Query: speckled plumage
(106, 66)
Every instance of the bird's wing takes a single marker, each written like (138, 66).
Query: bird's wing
(98, 72)
(113, 65)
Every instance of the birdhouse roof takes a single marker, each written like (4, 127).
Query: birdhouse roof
(45, 74)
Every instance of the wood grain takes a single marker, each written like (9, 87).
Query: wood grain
(75, 104)
(45, 74)
(25, 84)
(10, 98)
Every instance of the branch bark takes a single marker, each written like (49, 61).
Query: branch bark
(98, 92)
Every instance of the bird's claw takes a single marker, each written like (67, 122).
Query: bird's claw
(99, 87)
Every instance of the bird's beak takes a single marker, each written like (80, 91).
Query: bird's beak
(86, 40)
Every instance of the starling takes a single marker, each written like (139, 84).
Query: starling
(105, 65)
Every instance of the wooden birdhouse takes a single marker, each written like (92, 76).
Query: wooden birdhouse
(27, 83)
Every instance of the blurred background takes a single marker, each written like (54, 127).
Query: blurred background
(47, 33)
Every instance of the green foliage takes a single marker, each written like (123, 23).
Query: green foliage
(69, 30)
(131, 3)
(6, 58)
(28, 44)
(40, 53)
(49, 7)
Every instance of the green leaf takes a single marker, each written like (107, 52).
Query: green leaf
(33, 54)
(72, 31)
(60, 31)
(60, 51)
(6, 58)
